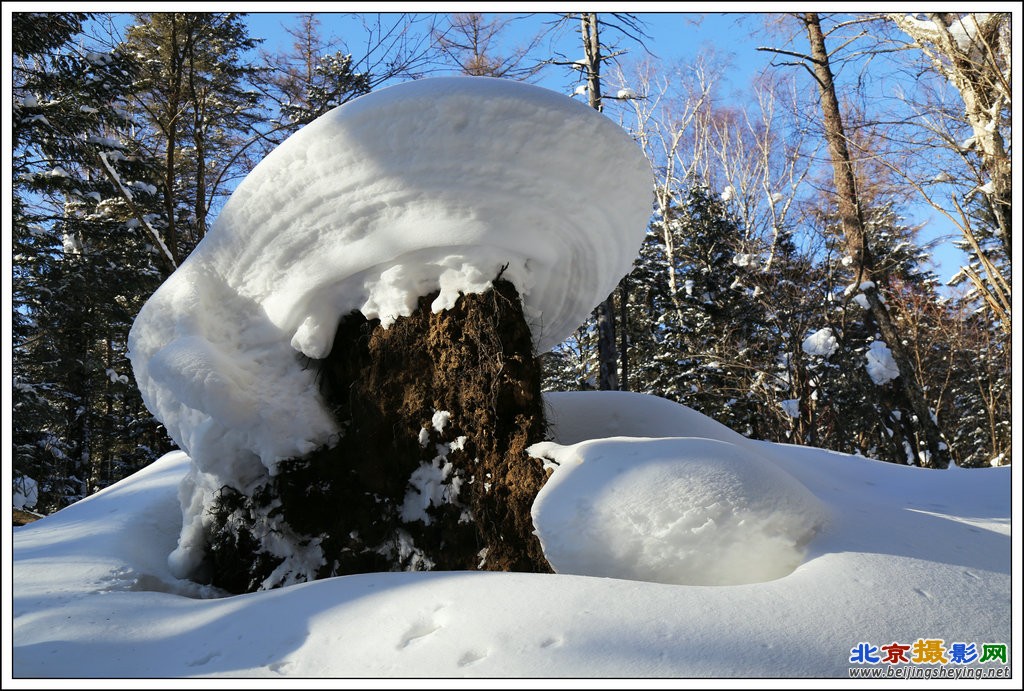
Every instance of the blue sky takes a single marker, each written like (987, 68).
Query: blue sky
(672, 35)
(732, 37)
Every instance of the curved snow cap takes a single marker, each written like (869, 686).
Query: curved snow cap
(437, 184)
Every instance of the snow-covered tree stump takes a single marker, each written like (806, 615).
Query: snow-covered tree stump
(431, 469)
(455, 227)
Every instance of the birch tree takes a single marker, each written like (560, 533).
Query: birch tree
(668, 120)
(596, 53)
(972, 52)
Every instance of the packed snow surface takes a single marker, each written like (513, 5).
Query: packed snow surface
(906, 555)
(438, 184)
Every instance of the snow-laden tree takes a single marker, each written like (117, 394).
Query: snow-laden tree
(703, 344)
(972, 50)
(307, 79)
(857, 400)
(852, 214)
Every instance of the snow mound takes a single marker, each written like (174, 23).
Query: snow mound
(685, 511)
(909, 553)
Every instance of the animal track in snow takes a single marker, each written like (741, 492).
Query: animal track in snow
(471, 656)
(283, 668)
(204, 660)
(421, 629)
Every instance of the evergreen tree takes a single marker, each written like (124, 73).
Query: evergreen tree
(196, 92)
(83, 193)
(309, 79)
(978, 413)
(699, 347)
(860, 406)
(573, 365)
(790, 295)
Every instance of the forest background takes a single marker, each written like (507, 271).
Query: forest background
(828, 261)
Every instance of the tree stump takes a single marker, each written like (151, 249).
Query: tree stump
(430, 471)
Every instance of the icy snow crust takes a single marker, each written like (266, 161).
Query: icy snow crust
(438, 184)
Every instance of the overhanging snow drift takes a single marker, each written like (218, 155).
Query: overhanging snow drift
(434, 185)
(427, 185)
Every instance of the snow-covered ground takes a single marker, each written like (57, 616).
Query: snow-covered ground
(682, 549)
(899, 555)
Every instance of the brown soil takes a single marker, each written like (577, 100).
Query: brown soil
(24, 517)
(474, 362)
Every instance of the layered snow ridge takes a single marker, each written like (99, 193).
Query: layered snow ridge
(433, 185)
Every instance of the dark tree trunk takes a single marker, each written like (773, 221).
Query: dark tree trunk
(608, 378)
(858, 247)
(623, 382)
(607, 358)
(431, 470)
